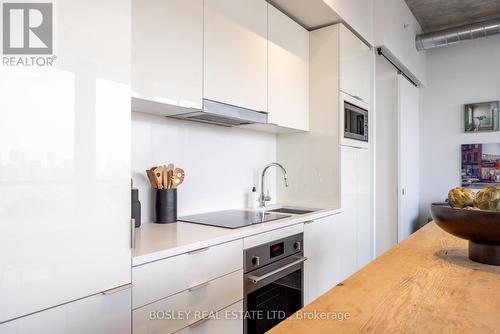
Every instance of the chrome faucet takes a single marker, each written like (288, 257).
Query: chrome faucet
(263, 198)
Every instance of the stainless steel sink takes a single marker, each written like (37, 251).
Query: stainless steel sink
(292, 211)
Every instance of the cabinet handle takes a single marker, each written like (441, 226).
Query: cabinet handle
(132, 233)
(357, 97)
(199, 286)
(117, 289)
(309, 222)
(199, 322)
(204, 249)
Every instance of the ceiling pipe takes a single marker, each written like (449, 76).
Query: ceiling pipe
(456, 35)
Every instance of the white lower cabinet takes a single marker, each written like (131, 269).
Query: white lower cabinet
(188, 306)
(226, 321)
(323, 268)
(160, 279)
(98, 314)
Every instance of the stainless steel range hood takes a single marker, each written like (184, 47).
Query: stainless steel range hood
(219, 113)
(213, 112)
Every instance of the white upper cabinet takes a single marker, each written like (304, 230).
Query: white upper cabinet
(354, 65)
(235, 55)
(288, 71)
(167, 51)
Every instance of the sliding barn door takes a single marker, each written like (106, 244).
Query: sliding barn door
(408, 157)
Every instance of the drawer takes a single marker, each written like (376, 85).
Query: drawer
(226, 321)
(156, 280)
(188, 306)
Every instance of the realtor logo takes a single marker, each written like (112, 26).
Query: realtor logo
(27, 28)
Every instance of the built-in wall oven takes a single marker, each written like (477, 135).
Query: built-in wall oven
(273, 282)
(354, 121)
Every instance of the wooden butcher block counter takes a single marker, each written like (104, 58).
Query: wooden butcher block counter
(426, 284)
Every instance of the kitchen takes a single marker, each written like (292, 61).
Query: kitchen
(215, 166)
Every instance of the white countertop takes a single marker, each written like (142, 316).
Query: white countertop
(157, 241)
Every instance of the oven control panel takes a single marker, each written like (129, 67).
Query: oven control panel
(267, 253)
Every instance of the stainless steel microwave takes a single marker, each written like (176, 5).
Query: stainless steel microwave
(355, 122)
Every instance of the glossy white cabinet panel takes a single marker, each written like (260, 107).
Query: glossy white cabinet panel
(356, 208)
(226, 321)
(211, 297)
(355, 71)
(288, 70)
(98, 314)
(364, 227)
(349, 216)
(167, 51)
(65, 163)
(153, 281)
(322, 247)
(235, 52)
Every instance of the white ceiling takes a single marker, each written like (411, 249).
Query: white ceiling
(434, 15)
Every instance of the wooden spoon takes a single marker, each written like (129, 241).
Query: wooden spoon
(169, 169)
(158, 174)
(178, 177)
(151, 177)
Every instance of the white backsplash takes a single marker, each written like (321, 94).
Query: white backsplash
(222, 164)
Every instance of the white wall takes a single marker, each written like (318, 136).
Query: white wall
(395, 29)
(222, 164)
(456, 74)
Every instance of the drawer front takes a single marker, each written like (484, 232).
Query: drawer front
(188, 306)
(226, 321)
(156, 280)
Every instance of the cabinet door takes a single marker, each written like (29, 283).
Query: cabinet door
(354, 65)
(167, 51)
(322, 270)
(65, 161)
(226, 321)
(288, 71)
(97, 314)
(364, 228)
(235, 52)
(349, 204)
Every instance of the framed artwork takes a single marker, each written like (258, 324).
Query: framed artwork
(480, 165)
(481, 117)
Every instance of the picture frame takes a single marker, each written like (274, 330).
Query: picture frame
(481, 117)
(480, 165)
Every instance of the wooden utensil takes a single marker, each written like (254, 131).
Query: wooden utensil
(169, 169)
(166, 178)
(178, 177)
(151, 177)
(158, 174)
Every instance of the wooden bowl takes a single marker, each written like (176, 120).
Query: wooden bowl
(481, 228)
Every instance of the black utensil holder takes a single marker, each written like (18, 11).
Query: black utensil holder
(166, 206)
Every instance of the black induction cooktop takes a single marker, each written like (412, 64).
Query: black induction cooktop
(232, 218)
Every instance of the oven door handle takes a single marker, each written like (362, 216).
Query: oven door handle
(257, 279)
